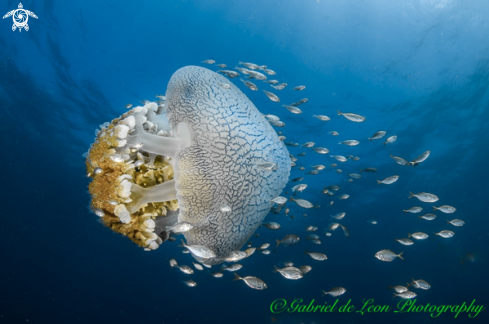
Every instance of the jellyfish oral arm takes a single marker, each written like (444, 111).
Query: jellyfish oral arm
(160, 193)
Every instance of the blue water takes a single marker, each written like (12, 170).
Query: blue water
(416, 69)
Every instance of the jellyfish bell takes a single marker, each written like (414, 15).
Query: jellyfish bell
(183, 163)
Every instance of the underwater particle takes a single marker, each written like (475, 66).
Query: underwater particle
(317, 256)
(229, 73)
(413, 210)
(369, 170)
(288, 240)
(353, 117)
(424, 197)
(388, 255)
(289, 272)
(390, 140)
(399, 160)
(446, 209)
(388, 180)
(419, 235)
(377, 135)
(190, 283)
(271, 96)
(335, 292)
(252, 282)
(445, 234)
(299, 88)
(209, 61)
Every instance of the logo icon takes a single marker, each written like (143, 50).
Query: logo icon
(20, 17)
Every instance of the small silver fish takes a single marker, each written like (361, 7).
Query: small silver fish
(377, 135)
(313, 172)
(256, 75)
(180, 227)
(236, 256)
(272, 117)
(268, 166)
(335, 292)
(424, 197)
(369, 170)
(271, 96)
(288, 264)
(221, 65)
(128, 106)
(291, 144)
(252, 66)
(305, 269)
(264, 246)
(224, 85)
(353, 117)
(344, 196)
(311, 228)
(322, 117)
(428, 217)
(272, 81)
(338, 216)
(339, 158)
(445, 234)
(321, 150)
(190, 283)
(250, 251)
(232, 267)
(225, 208)
(229, 73)
(405, 241)
(299, 88)
(301, 154)
(209, 61)
(355, 175)
(388, 180)
(419, 235)
(217, 274)
(272, 225)
(388, 255)
(345, 230)
(173, 263)
(300, 102)
(199, 250)
(280, 86)
(297, 179)
(420, 283)
(391, 139)
(317, 256)
(252, 282)
(413, 210)
(334, 133)
(302, 203)
(308, 144)
(277, 123)
(299, 187)
(242, 70)
(350, 142)
(312, 237)
(399, 289)
(293, 109)
(288, 240)
(198, 266)
(269, 72)
(279, 200)
(289, 272)
(399, 160)
(446, 209)
(420, 158)
(319, 167)
(406, 295)
(456, 222)
(249, 84)
(185, 269)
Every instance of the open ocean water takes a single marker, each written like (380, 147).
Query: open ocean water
(416, 69)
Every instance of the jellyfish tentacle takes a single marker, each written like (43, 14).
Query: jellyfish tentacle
(159, 193)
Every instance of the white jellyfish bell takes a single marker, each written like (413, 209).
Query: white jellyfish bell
(184, 162)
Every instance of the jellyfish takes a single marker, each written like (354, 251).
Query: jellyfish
(189, 158)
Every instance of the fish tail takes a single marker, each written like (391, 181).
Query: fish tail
(394, 296)
(411, 195)
(339, 112)
(278, 243)
(405, 211)
(408, 284)
(236, 277)
(448, 222)
(409, 235)
(419, 217)
(324, 292)
(306, 252)
(361, 171)
(400, 256)
(183, 244)
(390, 287)
(291, 199)
(370, 139)
(379, 182)
(434, 208)
(275, 270)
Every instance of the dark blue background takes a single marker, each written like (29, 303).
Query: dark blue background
(417, 69)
